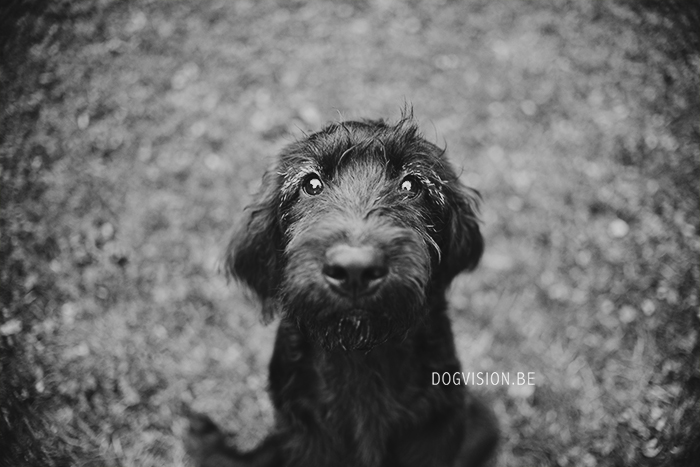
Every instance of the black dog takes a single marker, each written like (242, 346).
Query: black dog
(353, 240)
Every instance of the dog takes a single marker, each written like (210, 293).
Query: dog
(352, 241)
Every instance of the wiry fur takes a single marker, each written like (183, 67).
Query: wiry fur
(350, 376)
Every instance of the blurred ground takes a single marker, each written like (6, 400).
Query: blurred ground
(134, 132)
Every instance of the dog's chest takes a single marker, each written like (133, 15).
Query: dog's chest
(361, 399)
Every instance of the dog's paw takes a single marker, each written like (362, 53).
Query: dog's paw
(202, 437)
(208, 446)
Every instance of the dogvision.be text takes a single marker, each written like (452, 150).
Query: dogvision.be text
(484, 378)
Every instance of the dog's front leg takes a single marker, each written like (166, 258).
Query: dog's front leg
(210, 447)
(207, 446)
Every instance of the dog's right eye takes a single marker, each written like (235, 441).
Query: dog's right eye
(410, 186)
(312, 185)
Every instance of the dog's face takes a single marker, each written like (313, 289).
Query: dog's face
(353, 228)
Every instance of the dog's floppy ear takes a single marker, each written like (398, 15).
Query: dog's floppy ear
(253, 255)
(464, 244)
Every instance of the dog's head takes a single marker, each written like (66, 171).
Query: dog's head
(354, 229)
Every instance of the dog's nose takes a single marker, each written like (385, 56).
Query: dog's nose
(354, 270)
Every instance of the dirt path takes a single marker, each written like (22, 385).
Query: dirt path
(157, 119)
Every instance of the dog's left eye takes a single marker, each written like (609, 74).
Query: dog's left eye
(312, 185)
(410, 186)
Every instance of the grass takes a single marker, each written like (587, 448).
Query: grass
(134, 132)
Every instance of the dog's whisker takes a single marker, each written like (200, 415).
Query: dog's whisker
(345, 153)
